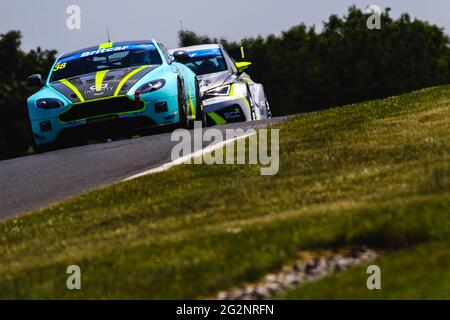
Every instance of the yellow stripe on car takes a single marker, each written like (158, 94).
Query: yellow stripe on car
(193, 111)
(247, 103)
(73, 88)
(243, 98)
(99, 76)
(217, 119)
(125, 79)
(231, 90)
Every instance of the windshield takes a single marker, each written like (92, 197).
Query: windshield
(206, 61)
(105, 59)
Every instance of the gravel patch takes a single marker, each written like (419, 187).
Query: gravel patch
(298, 273)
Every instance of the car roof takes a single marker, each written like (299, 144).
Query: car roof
(120, 43)
(196, 48)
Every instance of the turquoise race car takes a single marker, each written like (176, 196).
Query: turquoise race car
(114, 87)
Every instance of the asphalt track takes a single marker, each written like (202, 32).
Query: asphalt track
(36, 181)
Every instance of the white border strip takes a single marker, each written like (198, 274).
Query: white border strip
(188, 157)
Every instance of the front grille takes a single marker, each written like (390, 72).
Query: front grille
(103, 130)
(98, 108)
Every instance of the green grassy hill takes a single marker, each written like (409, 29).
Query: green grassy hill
(375, 173)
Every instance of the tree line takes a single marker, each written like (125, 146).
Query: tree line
(306, 70)
(302, 69)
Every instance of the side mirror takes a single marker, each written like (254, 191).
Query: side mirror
(242, 66)
(35, 80)
(181, 56)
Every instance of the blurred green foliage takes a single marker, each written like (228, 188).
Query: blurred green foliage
(16, 66)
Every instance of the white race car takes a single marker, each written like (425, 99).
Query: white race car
(228, 93)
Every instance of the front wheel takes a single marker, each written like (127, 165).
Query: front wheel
(182, 106)
(40, 148)
(43, 148)
(201, 114)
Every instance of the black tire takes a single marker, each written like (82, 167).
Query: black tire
(201, 115)
(182, 107)
(37, 149)
(44, 148)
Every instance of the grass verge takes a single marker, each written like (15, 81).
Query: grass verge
(411, 273)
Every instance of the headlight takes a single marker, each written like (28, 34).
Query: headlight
(152, 86)
(49, 103)
(217, 92)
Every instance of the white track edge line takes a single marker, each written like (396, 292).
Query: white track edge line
(190, 156)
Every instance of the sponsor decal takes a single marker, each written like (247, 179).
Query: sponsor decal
(105, 50)
(233, 114)
(204, 53)
(98, 90)
(100, 51)
(106, 118)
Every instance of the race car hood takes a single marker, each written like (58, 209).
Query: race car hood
(213, 80)
(101, 84)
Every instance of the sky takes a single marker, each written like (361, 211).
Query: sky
(43, 22)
